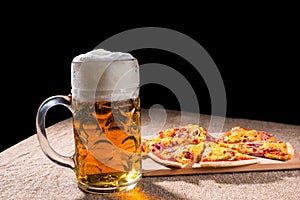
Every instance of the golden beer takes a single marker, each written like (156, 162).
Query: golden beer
(107, 140)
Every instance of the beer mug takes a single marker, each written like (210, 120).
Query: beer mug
(105, 107)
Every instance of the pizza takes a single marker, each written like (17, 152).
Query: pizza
(256, 143)
(219, 156)
(192, 144)
(240, 134)
(189, 134)
(176, 147)
(177, 156)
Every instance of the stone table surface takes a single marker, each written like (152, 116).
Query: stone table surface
(26, 173)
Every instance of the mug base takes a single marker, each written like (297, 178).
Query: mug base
(105, 190)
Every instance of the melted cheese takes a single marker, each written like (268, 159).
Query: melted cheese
(215, 152)
(189, 134)
(238, 134)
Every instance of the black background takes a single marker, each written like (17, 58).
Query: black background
(256, 53)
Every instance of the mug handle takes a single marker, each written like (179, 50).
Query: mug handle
(41, 131)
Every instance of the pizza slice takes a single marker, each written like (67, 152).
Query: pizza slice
(215, 155)
(188, 134)
(176, 147)
(178, 155)
(256, 143)
(273, 150)
(240, 134)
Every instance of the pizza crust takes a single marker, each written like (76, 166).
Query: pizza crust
(166, 162)
(290, 149)
(228, 163)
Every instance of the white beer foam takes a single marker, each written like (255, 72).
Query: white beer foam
(103, 74)
(102, 55)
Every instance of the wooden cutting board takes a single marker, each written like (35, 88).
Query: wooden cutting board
(152, 168)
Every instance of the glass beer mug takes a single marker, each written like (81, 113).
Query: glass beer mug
(105, 107)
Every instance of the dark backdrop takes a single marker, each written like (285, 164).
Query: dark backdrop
(257, 59)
